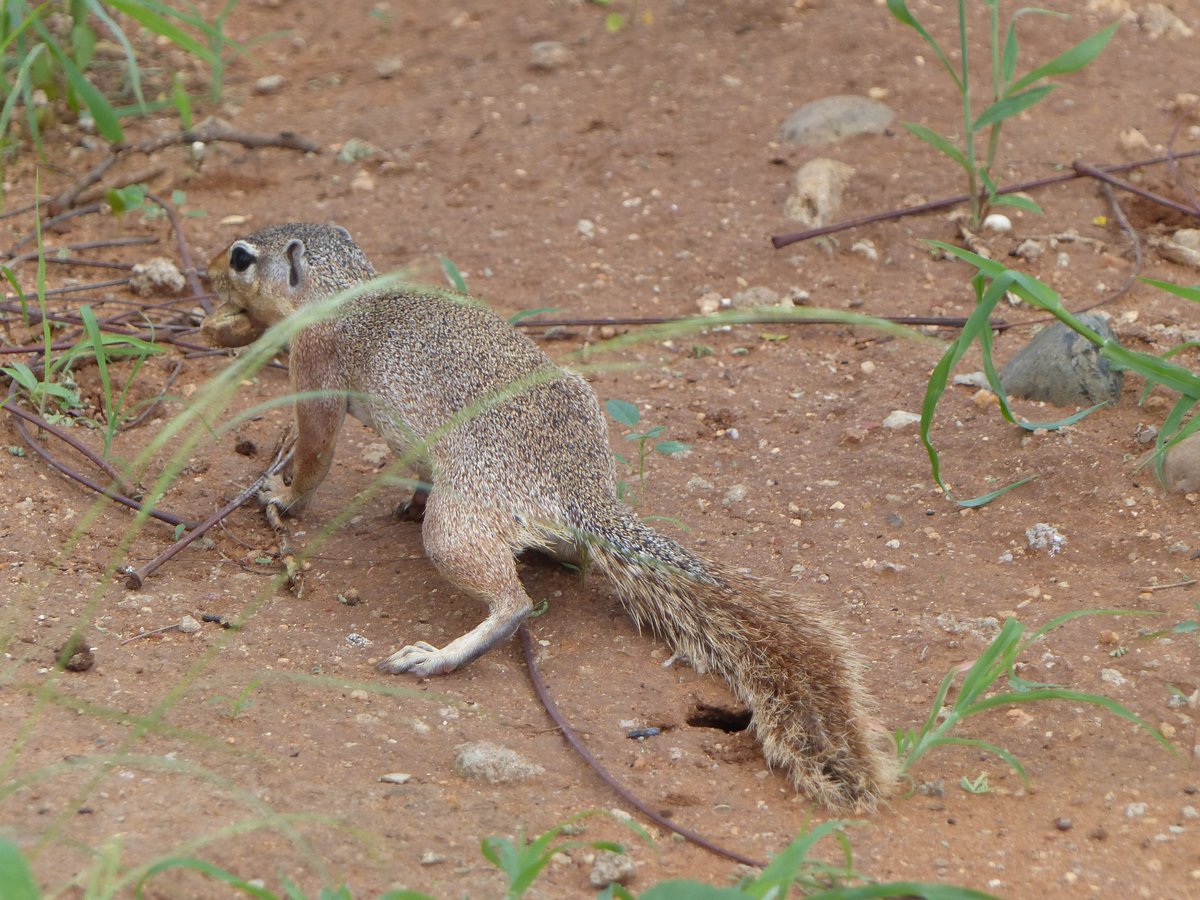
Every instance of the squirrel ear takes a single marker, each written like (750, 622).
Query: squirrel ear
(344, 232)
(296, 262)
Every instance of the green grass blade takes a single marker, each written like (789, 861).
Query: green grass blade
(150, 16)
(1017, 201)
(1079, 614)
(1117, 709)
(15, 874)
(776, 879)
(939, 143)
(20, 86)
(1072, 60)
(925, 890)
(899, 10)
(524, 314)
(1010, 106)
(199, 865)
(1012, 761)
(1008, 57)
(1187, 293)
(107, 123)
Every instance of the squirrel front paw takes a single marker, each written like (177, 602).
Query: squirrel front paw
(421, 659)
(276, 492)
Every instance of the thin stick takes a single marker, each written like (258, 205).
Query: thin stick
(94, 458)
(1100, 175)
(1187, 582)
(627, 795)
(135, 578)
(185, 256)
(161, 515)
(942, 321)
(782, 240)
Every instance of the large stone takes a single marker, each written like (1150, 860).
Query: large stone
(1063, 368)
(1181, 466)
(820, 184)
(830, 119)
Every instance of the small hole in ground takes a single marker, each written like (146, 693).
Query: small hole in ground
(703, 715)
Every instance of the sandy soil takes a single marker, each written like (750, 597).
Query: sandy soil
(260, 749)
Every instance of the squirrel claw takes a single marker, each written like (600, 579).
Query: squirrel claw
(420, 658)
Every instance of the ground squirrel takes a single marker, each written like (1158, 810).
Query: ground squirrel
(518, 457)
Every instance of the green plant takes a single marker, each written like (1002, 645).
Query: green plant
(977, 786)
(49, 47)
(1010, 95)
(627, 414)
(15, 873)
(239, 704)
(814, 879)
(522, 861)
(992, 281)
(978, 694)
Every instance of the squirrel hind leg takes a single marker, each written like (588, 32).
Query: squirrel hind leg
(479, 560)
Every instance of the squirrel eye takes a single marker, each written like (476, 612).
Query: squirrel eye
(241, 259)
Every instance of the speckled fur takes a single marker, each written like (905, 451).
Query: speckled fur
(526, 463)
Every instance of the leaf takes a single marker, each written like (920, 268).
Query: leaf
(1016, 200)
(524, 314)
(1187, 293)
(1072, 60)
(899, 10)
(15, 874)
(672, 448)
(183, 103)
(1010, 106)
(939, 143)
(623, 412)
(453, 275)
(151, 18)
(207, 868)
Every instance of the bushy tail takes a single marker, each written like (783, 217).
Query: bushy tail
(782, 657)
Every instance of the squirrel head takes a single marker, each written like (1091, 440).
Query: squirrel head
(261, 278)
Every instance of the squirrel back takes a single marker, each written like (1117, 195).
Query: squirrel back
(517, 452)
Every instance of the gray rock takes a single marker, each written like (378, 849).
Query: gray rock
(1181, 467)
(830, 119)
(612, 868)
(485, 761)
(820, 184)
(1064, 368)
(754, 297)
(548, 55)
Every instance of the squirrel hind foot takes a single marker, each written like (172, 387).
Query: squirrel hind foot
(421, 659)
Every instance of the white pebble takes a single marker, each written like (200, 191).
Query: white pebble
(899, 418)
(998, 222)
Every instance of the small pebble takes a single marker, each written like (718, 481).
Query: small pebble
(430, 858)
(1063, 824)
(899, 418)
(395, 778)
(1135, 810)
(998, 222)
(188, 625)
(269, 84)
(389, 67)
(548, 55)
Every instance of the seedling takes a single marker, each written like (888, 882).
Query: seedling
(239, 704)
(978, 786)
(522, 862)
(34, 56)
(978, 694)
(992, 281)
(627, 414)
(1011, 95)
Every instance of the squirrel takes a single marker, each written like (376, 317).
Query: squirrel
(516, 451)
